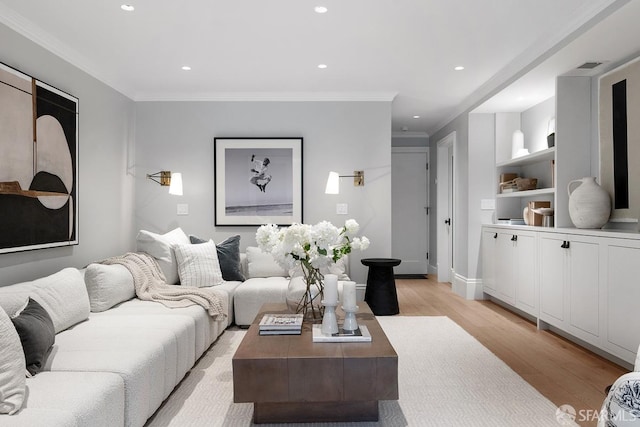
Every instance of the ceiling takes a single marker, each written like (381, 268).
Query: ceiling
(403, 51)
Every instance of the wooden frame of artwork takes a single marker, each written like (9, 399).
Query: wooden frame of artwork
(38, 164)
(619, 110)
(258, 181)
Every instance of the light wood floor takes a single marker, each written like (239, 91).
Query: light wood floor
(560, 370)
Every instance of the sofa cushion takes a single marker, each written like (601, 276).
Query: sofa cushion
(160, 246)
(63, 295)
(198, 265)
(262, 264)
(206, 329)
(228, 256)
(93, 399)
(12, 367)
(37, 335)
(139, 356)
(108, 285)
(249, 296)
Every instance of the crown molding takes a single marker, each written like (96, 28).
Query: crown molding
(271, 96)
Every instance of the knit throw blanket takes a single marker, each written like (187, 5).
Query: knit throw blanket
(151, 285)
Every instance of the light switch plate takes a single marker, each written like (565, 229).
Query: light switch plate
(488, 204)
(342, 209)
(183, 209)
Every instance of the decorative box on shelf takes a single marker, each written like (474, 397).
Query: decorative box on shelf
(531, 217)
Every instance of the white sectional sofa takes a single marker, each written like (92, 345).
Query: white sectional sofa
(109, 368)
(116, 358)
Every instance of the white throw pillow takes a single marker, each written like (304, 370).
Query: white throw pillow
(12, 367)
(108, 285)
(262, 264)
(63, 295)
(198, 265)
(160, 246)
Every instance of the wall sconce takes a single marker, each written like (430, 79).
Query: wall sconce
(166, 178)
(333, 182)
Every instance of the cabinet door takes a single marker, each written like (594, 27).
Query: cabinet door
(584, 286)
(489, 241)
(553, 258)
(526, 268)
(506, 267)
(622, 296)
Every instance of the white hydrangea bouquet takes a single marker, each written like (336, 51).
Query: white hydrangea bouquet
(312, 247)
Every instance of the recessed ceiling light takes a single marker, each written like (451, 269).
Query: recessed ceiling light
(416, 117)
(322, 66)
(186, 68)
(459, 68)
(320, 9)
(127, 7)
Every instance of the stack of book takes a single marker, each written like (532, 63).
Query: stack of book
(281, 324)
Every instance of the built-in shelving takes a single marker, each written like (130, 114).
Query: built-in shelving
(527, 193)
(539, 165)
(538, 156)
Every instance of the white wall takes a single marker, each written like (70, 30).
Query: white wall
(340, 136)
(535, 123)
(481, 184)
(105, 190)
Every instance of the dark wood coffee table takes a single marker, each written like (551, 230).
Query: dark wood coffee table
(289, 378)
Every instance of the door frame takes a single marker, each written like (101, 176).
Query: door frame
(424, 150)
(446, 190)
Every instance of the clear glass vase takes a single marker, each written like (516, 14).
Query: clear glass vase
(305, 293)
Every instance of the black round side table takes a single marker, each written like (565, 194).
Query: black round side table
(381, 293)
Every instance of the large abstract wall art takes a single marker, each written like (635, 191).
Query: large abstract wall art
(38, 164)
(620, 139)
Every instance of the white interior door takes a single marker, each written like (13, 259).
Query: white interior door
(409, 212)
(444, 185)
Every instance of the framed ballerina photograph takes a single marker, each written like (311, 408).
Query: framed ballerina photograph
(258, 181)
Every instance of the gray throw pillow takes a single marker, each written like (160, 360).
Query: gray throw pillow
(228, 257)
(37, 335)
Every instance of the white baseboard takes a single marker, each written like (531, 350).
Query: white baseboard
(361, 288)
(470, 289)
(432, 269)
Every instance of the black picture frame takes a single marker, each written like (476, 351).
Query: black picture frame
(258, 181)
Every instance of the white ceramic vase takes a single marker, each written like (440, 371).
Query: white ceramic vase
(589, 204)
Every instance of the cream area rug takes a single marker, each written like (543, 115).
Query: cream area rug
(446, 378)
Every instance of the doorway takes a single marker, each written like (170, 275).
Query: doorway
(410, 209)
(445, 208)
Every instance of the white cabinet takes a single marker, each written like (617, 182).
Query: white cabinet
(506, 271)
(622, 298)
(570, 283)
(509, 259)
(526, 290)
(584, 283)
(552, 278)
(489, 259)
